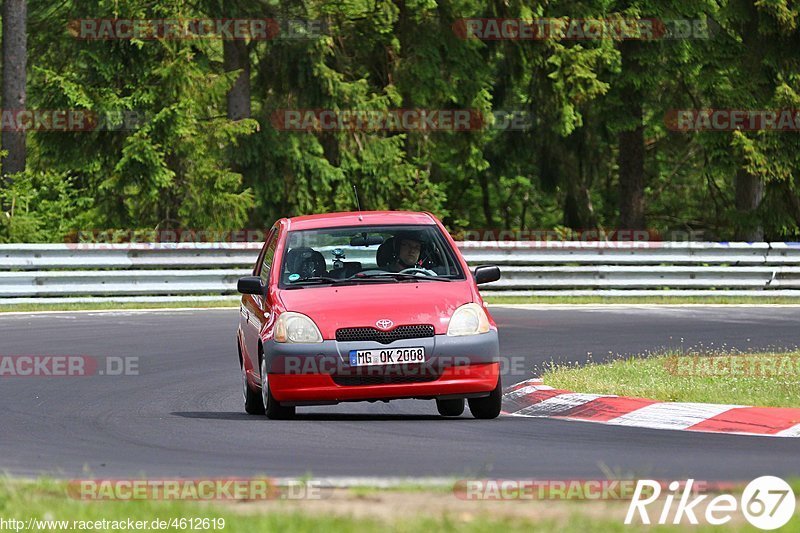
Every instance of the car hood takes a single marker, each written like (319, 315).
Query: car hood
(427, 302)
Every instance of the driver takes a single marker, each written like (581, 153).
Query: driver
(407, 250)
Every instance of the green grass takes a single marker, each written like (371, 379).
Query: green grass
(101, 306)
(764, 379)
(507, 300)
(47, 500)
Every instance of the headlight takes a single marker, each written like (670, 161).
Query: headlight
(469, 319)
(294, 327)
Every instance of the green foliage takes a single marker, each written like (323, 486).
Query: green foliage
(183, 164)
(42, 207)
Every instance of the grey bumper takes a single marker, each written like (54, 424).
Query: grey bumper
(330, 356)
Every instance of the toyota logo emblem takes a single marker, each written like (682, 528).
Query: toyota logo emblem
(384, 323)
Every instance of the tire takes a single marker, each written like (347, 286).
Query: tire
(450, 407)
(488, 407)
(252, 400)
(273, 409)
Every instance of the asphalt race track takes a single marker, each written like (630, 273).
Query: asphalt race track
(182, 414)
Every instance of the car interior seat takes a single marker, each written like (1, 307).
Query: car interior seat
(385, 255)
(305, 261)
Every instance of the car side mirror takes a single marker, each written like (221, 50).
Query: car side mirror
(486, 274)
(251, 285)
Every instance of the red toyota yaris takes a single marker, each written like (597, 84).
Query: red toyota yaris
(367, 306)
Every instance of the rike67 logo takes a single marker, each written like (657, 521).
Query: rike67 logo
(767, 502)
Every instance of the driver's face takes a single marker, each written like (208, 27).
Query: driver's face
(409, 251)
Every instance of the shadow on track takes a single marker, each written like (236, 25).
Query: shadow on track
(216, 415)
(213, 415)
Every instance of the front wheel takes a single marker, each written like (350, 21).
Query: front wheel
(450, 407)
(489, 406)
(273, 409)
(252, 400)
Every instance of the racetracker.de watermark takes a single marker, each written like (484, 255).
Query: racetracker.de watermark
(453, 365)
(686, 120)
(544, 489)
(567, 235)
(39, 366)
(740, 365)
(580, 29)
(256, 29)
(428, 120)
(99, 239)
(71, 120)
(202, 489)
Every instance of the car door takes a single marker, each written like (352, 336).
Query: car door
(254, 309)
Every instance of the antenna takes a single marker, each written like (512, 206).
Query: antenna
(358, 203)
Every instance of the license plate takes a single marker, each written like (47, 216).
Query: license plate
(387, 356)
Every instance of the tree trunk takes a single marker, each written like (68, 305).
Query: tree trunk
(631, 145)
(15, 55)
(749, 191)
(486, 200)
(578, 210)
(236, 57)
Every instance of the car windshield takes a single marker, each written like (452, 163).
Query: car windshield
(368, 254)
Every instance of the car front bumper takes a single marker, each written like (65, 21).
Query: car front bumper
(471, 381)
(312, 373)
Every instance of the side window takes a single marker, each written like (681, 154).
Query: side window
(266, 262)
(266, 256)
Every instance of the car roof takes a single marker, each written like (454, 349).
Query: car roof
(360, 218)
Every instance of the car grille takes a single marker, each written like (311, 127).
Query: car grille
(418, 331)
(355, 380)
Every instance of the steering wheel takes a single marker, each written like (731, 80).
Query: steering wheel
(417, 271)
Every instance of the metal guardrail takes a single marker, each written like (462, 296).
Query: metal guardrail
(39, 273)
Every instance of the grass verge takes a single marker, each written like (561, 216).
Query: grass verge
(760, 379)
(107, 306)
(386, 510)
(498, 300)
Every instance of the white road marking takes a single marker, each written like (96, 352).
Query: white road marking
(793, 431)
(524, 391)
(559, 404)
(671, 415)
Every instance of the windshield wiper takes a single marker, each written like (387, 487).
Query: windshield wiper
(398, 276)
(316, 280)
(379, 277)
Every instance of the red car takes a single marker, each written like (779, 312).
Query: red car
(366, 306)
